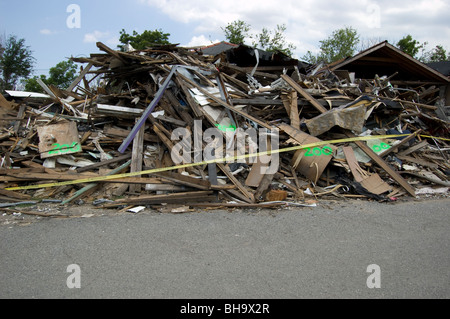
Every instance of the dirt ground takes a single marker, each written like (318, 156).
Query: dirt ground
(27, 214)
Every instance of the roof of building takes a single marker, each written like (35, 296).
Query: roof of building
(217, 48)
(386, 59)
(442, 67)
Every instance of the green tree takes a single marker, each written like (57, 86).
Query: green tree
(16, 61)
(144, 40)
(340, 44)
(275, 40)
(61, 76)
(236, 31)
(410, 46)
(438, 54)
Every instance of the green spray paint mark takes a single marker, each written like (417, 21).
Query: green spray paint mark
(64, 148)
(379, 148)
(317, 151)
(225, 128)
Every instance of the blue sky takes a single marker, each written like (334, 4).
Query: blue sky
(43, 24)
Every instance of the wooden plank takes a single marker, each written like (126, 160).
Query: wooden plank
(137, 157)
(110, 51)
(171, 120)
(249, 196)
(58, 139)
(184, 180)
(226, 105)
(20, 115)
(258, 170)
(263, 186)
(403, 142)
(373, 183)
(184, 115)
(80, 77)
(414, 148)
(104, 163)
(304, 93)
(396, 176)
(189, 99)
(118, 132)
(166, 198)
(311, 167)
(11, 194)
(293, 115)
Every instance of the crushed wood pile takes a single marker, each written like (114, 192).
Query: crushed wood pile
(151, 128)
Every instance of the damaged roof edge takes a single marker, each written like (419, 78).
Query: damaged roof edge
(410, 60)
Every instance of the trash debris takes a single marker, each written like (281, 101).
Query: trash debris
(176, 129)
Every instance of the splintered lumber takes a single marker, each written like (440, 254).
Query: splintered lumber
(137, 158)
(373, 183)
(58, 139)
(184, 180)
(80, 77)
(291, 105)
(147, 112)
(311, 167)
(414, 148)
(248, 197)
(402, 142)
(226, 105)
(93, 185)
(167, 198)
(104, 163)
(304, 93)
(11, 194)
(387, 168)
(264, 185)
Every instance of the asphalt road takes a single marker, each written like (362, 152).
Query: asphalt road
(295, 253)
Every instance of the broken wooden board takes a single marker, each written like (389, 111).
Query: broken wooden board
(257, 171)
(304, 93)
(137, 157)
(372, 183)
(167, 198)
(396, 176)
(309, 162)
(58, 139)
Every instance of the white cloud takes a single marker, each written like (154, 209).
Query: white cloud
(200, 41)
(46, 32)
(95, 36)
(309, 21)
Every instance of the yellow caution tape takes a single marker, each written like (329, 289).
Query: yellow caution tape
(436, 138)
(213, 161)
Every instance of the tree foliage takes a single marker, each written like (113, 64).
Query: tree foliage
(237, 32)
(410, 46)
(438, 54)
(275, 40)
(144, 40)
(16, 61)
(61, 76)
(340, 44)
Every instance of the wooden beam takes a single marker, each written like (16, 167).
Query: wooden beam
(137, 157)
(304, 93)
(226, 105)
(80, 77)
(388, 169)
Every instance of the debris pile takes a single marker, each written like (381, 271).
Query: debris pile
(152, 128)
